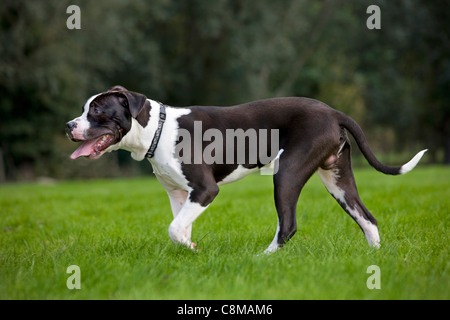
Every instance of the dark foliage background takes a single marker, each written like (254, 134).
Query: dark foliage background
(393, 81)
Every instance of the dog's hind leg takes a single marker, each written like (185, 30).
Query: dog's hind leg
(340, 183)
(288, 183)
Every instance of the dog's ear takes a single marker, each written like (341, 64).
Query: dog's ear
(134, 101)
(117, 88)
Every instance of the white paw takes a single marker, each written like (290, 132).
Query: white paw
(272, 248)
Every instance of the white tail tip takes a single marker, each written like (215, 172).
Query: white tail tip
(412, 163)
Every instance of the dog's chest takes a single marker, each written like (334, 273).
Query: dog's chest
(170, 175)
(166, 166)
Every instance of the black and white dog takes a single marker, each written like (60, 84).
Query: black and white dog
(309, 137)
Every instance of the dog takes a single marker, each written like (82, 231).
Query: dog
(310, 137)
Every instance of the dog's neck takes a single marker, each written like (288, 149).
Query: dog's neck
(139, 138)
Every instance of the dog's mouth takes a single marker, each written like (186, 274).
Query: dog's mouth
(93, 148)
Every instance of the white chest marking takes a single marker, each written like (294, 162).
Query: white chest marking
(166, 166)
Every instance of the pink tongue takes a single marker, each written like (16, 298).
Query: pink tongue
(85, 149)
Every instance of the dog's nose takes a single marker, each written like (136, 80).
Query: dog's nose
(69, 127)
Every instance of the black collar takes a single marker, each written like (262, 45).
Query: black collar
(162, 117)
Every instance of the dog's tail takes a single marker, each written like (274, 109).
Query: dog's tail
(356, 131)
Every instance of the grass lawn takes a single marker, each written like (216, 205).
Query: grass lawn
(116, 232)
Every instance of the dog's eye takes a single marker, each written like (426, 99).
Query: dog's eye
(97, 111)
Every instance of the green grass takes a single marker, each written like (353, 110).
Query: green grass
(116, 232)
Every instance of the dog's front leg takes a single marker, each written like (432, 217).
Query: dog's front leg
(177, 200)
(181, 226)
(197, 202)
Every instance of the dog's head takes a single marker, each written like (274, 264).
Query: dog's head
(106, 119)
